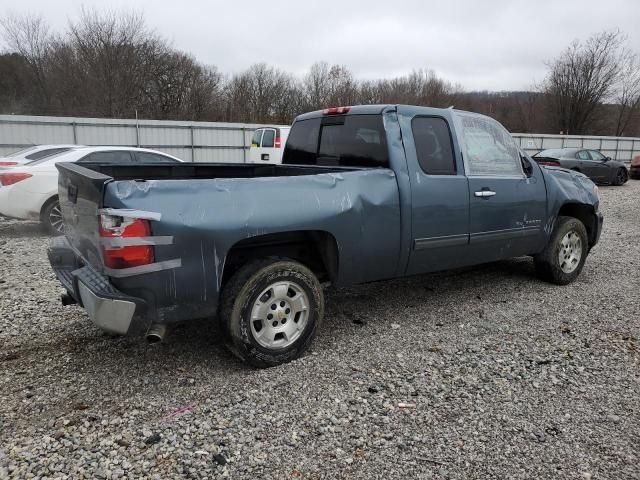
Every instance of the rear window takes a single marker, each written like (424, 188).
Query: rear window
(344, 141)
(47, 153)
(268, 137)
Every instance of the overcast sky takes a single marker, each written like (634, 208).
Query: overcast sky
(483, 44)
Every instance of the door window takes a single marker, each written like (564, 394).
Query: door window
(153, 157)
(583, 155)
(597, 156)
(257, 137)
(433, 145)
(114, 156)
(488, 148)
(268, 138)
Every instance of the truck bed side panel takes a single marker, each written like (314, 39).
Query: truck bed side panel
(208, 217)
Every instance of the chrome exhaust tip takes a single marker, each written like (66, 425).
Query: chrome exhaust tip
(156, 333)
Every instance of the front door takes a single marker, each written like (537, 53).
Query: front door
(507, 206)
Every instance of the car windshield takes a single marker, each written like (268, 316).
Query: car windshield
(21, 152)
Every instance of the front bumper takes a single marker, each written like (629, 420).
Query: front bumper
(108, 308)
(598, 228)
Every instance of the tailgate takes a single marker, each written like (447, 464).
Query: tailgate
(81, 192)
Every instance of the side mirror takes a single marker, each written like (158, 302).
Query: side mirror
(526, 166)
(607, 159)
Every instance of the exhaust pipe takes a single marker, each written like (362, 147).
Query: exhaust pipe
(156, 333)
(67, 299)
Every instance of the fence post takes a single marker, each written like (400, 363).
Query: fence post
(193, 154)
(244, 147)
(75, 133)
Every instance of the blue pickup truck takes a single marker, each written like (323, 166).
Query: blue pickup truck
(364, 193)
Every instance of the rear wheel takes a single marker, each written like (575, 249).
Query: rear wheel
(270, 311)
(563, 258)
(51, 217)
(621, 177)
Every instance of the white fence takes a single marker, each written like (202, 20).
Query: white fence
(222, 142)
(618, 148)
(190, 141)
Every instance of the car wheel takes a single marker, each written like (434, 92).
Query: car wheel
(270, 311)
(563, 258)
(621, 177)
(51, 218)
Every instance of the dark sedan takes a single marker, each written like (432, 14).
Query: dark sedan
(592, 163)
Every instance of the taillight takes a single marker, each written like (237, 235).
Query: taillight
(11, 178)
(336, 110)
(127, 256)
(8, 164)
(277, 142)
(549, 163)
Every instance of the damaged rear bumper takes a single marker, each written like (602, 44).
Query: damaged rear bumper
(108, 308)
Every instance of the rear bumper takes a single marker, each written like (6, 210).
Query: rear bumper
(634, 172)
(108, 308)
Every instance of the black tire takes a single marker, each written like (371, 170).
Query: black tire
(240, 296)
(621, 177)
(51, 217)
(547, 263)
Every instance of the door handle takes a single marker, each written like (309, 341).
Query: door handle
(484, 193)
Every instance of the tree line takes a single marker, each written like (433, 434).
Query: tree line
(111, 64)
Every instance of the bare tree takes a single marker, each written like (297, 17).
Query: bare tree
(627, 95)
(582, 78)
(30, 37)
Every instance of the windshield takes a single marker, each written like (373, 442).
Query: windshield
(21, 152)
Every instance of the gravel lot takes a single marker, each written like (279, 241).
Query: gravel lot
(505, 377)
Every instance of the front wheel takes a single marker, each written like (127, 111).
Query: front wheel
(621, 177)
(270, 311)
(563, 258)
(51, 218)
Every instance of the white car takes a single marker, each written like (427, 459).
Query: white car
(267, 144)
(30, 191)
(35, 152)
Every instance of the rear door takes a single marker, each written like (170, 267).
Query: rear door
(507, 207)
(266, 146)
(439, 195)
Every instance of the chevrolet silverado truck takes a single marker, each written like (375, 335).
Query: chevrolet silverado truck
(364, 193)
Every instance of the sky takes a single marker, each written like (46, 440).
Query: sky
(481, 45)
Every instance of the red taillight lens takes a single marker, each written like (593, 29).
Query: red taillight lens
(336, 110)
(550, 163)
(277, 144)
(8, 164)
(11, 178)
(125, 256)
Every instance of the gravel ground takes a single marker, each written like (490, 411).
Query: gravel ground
(503, 377)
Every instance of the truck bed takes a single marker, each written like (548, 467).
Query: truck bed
(187, 171)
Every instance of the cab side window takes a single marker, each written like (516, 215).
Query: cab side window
(433, 145)
(488, 149)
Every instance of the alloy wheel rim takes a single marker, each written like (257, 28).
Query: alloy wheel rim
(55, 218)
(279, 315)
(570, 252)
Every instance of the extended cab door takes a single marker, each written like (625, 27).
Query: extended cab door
(507, 206)
(439, 195)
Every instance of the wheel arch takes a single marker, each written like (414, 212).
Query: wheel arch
(316, 249)
(583, 212)
(46, 203)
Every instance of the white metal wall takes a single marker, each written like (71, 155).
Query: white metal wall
(618, 148)
(191, 141)
(222, 142)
